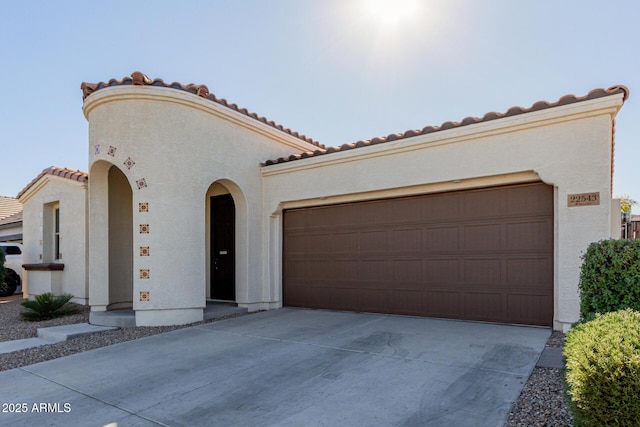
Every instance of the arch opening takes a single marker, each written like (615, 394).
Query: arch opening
(120, 235)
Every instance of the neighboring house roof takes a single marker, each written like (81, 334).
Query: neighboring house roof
(9, 206)
(74, 175)
(11, 220)
(513, 111)
(139, 79)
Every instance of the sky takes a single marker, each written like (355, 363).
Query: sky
(337, 71)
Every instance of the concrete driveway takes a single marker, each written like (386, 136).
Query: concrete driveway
(288, 367)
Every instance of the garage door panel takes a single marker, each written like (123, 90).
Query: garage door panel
(484, 204)
(442, 207)
(323, 217)
(373, 241)
(405, 240)
(375, 269)
(374, 300)
(525, 308)
(347, 298)
(439, 239)
(476, 255)
(343, 270)
(406, 301)
(441, 271)
(297, 220)
(344, 242)
(408, 270)
(296, 244)
(529, 271)
(483, 237)
(536, 201)
(324, 243)
(487, 306)
(443, 304)
(297, 270)
(530, 235)
(483, 271)
(404, 211)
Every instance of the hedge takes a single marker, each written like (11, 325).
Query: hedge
(603, 370)
(610, 277)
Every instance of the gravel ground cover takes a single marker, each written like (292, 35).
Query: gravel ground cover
(541, 403)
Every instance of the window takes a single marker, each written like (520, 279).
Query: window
(51, 250)
(12, 250)
(56, 236)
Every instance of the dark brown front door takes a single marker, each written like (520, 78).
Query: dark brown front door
(476, 255)
(223, 250)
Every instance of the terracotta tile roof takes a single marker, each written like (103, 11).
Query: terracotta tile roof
(74, 175)
(139, 79)
(9, 206)
(513, 111)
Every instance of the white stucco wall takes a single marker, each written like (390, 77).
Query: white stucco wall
(568, 147)
(181, 144)
(71, 197)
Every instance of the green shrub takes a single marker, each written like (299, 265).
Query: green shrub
(603, 370)
(48, 306)
(610, 277)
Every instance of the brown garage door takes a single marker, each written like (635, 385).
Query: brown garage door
(476, 255)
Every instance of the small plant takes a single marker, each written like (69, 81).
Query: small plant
(610, 277)
(603, 370)
(48, 306)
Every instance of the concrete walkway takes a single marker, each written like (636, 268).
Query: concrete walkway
(52, 335)
(119, 318)
(287, 367)
(551, 357)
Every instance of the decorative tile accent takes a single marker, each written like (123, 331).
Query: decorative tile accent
(112, 151)
(143, 207)
(145, 273)
(144, 228)
(144, 296)
(129, 163)
(96, 149)
(144, 250)
(142, 183)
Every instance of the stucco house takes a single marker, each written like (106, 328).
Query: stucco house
(192, 198)
(55, 234)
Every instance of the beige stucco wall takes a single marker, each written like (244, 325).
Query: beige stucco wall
(181, 144)
(568, 147)
(177, 149)
(38, 202)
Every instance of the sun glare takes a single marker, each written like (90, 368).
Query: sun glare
(391, 12)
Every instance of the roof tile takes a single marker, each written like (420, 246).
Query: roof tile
(9, 206)
(513, 111)
(72, 174)
(140, 79)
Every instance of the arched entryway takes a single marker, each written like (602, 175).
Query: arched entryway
(120, 241)
(110, 238)
(225, 248)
